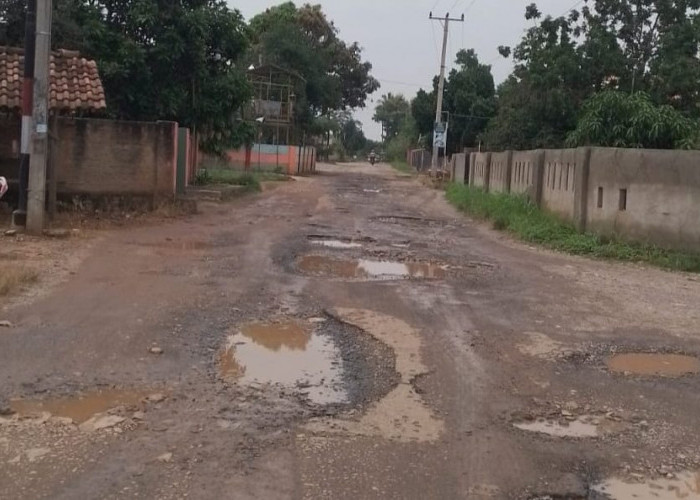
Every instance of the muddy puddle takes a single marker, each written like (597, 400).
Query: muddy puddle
(81, 407)
(654, 364)
(581, 426)
(289, 354)
(337, 244)
(370, 269)
(685, 485)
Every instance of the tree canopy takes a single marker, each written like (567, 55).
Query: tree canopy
(305, 41)
(158, 60)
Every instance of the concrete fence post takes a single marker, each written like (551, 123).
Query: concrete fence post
(538, 177)
(487, 171)
(472, 162)
(509, 170)
(583, 163)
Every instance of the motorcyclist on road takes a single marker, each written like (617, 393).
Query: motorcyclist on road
(373, 157)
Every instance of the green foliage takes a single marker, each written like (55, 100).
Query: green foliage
(617, 119)
(392, 112)
(470, 98)
(517, 215)
(304, 41)
(202, 177)
(650, 46)
(157, 60)
(404, 140)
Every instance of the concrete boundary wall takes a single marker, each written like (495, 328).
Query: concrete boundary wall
(461, 168)
(637, 194)
(499, 173)
(109, 157)
(480, 173)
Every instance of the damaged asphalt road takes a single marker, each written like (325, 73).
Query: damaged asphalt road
(348, 335)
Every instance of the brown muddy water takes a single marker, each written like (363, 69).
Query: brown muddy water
(653, 364)
(288, 354)
(370, 269)
(81, 407)
(685, 485)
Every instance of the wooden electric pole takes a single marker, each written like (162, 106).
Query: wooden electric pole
(441, 84)
(36, 199)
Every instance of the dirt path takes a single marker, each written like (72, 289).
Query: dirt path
(348, 336)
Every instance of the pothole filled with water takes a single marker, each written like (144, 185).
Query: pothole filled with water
(288, 353)
(366, 269)
(654, 364)
(581, 426)
(684, 485)
(80, 408)
(337, 244)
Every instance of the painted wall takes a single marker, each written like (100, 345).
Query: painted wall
(292, 160)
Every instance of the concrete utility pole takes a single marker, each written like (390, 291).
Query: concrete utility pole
(441, 84)
(19, 216)
(36, 196)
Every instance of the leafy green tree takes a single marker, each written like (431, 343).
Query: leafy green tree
(617, 119)
(539, 103)
(470, 98)
(304, 41)
(157, 60)
(392, 111)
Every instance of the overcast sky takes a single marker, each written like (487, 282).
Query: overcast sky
(403, 44)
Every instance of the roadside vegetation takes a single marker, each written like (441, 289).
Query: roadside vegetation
(518, 216)
(402, 166)
(14, 277)
(250, 180)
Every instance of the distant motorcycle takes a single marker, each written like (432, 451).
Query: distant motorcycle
(372, 159)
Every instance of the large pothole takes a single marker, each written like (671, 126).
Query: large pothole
(654, 364)
(685, 485)
(369, 270)
(83, 406)
(324, 360)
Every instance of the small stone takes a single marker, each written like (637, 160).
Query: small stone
(566, 413)
(139, 415)
(156, 398)
(99, 422)
(5, 324)
(11, 232)
(155, 350)
(36, 453)
(165, 457)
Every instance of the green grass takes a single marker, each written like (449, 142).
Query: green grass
(520, 217)
(402, 166)
(250, 180)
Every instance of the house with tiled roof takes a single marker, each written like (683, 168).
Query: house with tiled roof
(89, 156)
(76, 87)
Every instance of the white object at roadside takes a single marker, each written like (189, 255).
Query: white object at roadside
(3, 186)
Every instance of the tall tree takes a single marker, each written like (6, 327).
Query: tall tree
(157, 60)
(306, 42)
(392, 111)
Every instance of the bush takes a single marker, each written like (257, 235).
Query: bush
(519, 216)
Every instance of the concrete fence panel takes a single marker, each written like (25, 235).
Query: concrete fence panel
(526, 174)
(499, 173)
(482, 168)
(645, 195)
(461, 168)
(559, 182)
